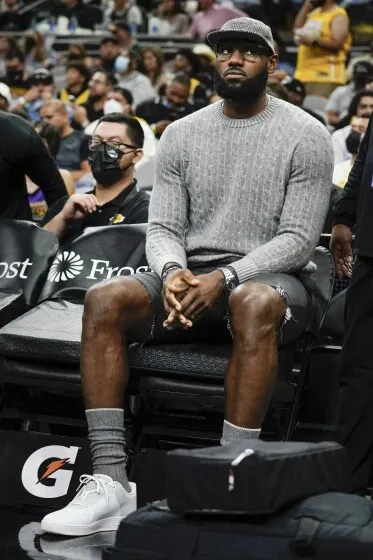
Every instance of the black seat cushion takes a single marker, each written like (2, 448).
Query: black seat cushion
(12, 304)
(49, 332)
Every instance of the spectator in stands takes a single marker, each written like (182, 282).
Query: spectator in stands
(77, 78)
(364, 58)
(342, 170)
(78, 13)
(22, 153)
(109, 50)
(122, 32)
(126, 11)
(6, 44)
(297, 94)
(340, 99)
(211, 16)
(51, 138)
(129, 77)
(161, 112)
(120, 100)
(11, 19)
(188, 62)
(169, 19)
(77, 53)
(115, 148)
(322, 32)
(362, 104)
(16, 76)
(36, 54)
(99, 87)
(73, 152)
(41, 90)
(354, 211)
(276, 89)
(230, 235)
(5, 97)
(154, 67)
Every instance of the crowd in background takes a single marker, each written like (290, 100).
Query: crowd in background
(65, 94)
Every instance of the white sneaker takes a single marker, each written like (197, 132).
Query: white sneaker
(99, 505)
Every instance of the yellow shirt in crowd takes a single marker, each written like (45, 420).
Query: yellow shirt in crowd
(316, 64)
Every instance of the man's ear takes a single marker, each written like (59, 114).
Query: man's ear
(139, 154)
(272, 63)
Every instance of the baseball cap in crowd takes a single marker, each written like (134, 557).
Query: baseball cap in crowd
(41, 76)
(244, 28)
(110, 39)
(123, 25)
(5, 92)
(295, 86)
(363, 68)
(204, 50)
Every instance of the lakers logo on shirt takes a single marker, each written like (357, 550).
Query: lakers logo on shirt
(117, 219)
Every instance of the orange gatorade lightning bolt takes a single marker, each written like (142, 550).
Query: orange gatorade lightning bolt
(52, 468)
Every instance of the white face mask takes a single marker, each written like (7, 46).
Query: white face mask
(121, 64)
(112, 106)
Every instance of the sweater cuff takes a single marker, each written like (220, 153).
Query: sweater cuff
(344, 221)
(245, 269)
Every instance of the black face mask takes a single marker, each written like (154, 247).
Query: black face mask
(14, 74)
(105, 165)
(250, 91)
(353, 142)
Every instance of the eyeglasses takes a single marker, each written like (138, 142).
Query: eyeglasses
(112, 147)
(251, 52)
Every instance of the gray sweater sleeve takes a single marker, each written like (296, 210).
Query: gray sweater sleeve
(304, 211)
(169, 206)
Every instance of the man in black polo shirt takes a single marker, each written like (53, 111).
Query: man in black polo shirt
(115, 147)
(162, 112)
(356, 380)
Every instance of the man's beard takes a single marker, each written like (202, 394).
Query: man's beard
(249, 91)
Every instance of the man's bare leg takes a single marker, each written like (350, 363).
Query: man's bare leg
(113, 311)
(256, 312)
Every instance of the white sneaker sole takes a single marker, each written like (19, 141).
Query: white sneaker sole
(109, 524)
(100, 526)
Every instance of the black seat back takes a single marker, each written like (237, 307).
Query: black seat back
(323, 278)
(98, 254)
(26, 253)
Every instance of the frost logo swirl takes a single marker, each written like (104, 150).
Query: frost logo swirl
(65, 266)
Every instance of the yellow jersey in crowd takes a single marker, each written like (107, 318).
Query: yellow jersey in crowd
(316, 64)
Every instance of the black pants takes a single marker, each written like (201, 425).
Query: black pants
(356, 381)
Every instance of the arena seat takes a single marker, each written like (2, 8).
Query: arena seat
(170, 385)
(26, 252)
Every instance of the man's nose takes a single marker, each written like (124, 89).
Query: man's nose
(236, 59)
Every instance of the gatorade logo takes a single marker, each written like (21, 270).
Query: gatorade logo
(46, 473)
(65, 266)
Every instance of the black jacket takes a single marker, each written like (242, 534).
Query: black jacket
(356, 204)
(22, 152)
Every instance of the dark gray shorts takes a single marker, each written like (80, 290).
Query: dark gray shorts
(214, 326)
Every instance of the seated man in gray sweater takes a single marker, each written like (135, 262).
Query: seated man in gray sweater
(240, 196)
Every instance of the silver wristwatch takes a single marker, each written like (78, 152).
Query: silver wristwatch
(230, 279)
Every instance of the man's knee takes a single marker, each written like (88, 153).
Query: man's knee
(108, 301)
(255, 309)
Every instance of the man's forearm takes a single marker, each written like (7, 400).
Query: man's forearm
(57, 225)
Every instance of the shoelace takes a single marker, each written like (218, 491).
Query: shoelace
(83, 492)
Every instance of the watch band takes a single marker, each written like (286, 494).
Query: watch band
(230, 279)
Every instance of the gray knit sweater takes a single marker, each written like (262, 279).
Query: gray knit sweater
(255, 190)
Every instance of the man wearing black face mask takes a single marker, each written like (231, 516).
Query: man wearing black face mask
(342, 170)
(240, 195)
(116, 146)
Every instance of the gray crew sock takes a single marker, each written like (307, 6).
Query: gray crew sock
(106, 436)
(232, 433)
